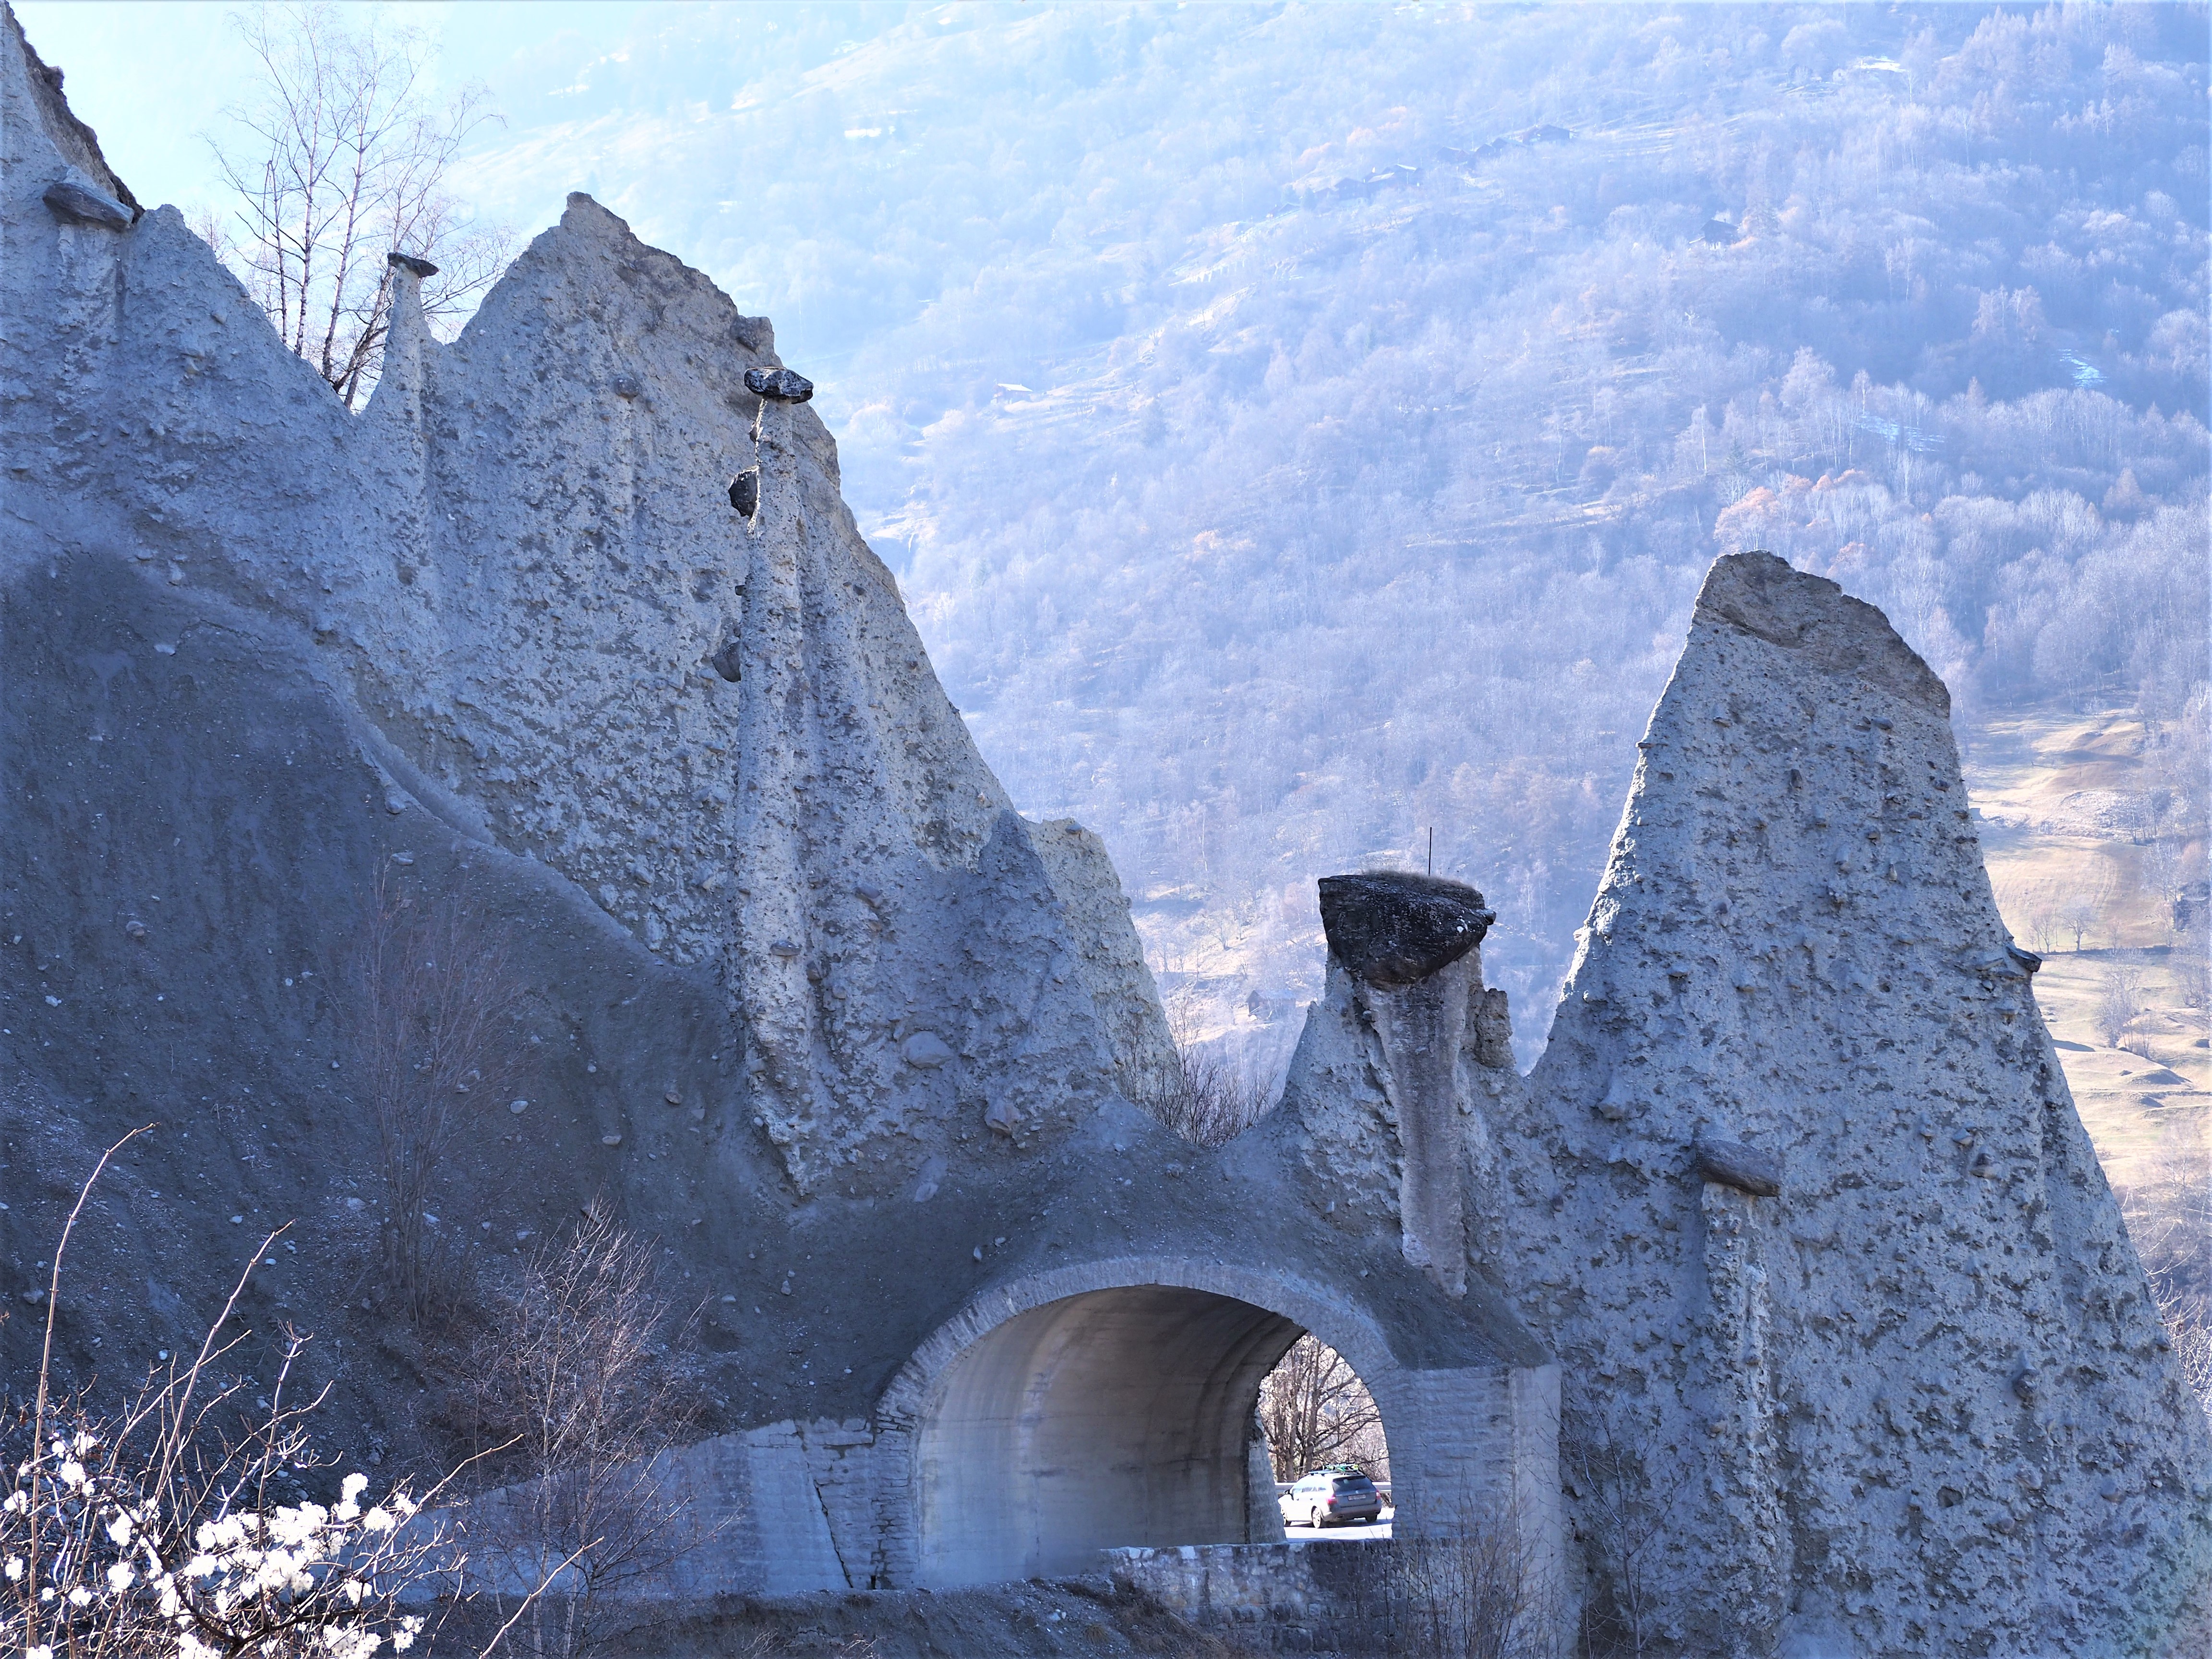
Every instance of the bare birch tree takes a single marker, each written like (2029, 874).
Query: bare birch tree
(578, 1379)
(341, 159)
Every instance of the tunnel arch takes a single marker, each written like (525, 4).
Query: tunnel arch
(1110, 1404)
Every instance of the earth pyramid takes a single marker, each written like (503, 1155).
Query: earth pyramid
(1782, 1307)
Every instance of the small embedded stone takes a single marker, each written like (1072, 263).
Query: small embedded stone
(1002, 1115)
(784, 948)
(744, 492)
(626, 387)
(609, 1140)
(1731, 1163)
(80, 204)
(725, 662)
(135, 927)
(926, 1049)
(414, 263)
(779, 385)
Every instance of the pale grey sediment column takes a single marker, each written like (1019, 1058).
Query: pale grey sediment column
(772, 942)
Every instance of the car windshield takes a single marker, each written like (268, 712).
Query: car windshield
(1353, 1483)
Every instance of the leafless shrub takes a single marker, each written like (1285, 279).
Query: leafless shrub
(433, 1008)
(343, 161)
(1315, 1411)
(1208, 1102)
(1478, 1593)
(1622, 1513)
(179, 1524)
(2169, 1217)
(2119, 1000)
(1472, 1595)
(2189, 1327)
(577, 1380)
(2192, 972)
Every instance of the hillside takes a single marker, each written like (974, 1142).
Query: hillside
(1298, 430)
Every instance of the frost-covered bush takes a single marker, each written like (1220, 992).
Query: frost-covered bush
(108, 1553)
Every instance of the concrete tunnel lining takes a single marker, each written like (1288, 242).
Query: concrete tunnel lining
(1114, 1417)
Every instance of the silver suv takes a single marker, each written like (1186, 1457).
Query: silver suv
(1338, 1494)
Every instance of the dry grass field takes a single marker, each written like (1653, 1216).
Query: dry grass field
(2091, 824)
(2088, 822)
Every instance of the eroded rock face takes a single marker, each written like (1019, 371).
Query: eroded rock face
(522, 566)
(570, 631)
(1856, 1359)
(1799, 1194)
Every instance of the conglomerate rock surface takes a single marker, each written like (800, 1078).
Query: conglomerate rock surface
(1921, 1398)
(1918, 1399)
(784, 983)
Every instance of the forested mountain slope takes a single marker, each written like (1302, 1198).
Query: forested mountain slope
(1297, 428)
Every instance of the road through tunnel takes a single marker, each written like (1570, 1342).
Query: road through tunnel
(1122, 1416)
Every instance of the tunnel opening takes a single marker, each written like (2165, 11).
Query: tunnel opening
(1124, 1416)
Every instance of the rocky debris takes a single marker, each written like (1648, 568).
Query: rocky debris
(1393, 928)
(744, 492)
(1732, 1163)
(779, 385)
(411, 261)
(80, 204)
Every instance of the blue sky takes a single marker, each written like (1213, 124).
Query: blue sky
(154, 79)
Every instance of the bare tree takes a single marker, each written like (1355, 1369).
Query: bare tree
(343, 159)
(434, 1009)
(579, 1379)
(2165, 872)
(2079, 914)
(1621, 1512)
(2119, 1000)
(1207, 1101)
(2034, 912)
(1315, 1411)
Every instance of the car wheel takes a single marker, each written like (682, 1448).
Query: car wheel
(1313, 1519)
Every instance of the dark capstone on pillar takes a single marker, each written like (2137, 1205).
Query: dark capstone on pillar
(1391, 928)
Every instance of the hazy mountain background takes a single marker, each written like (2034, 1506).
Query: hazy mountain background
(1297, 429)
